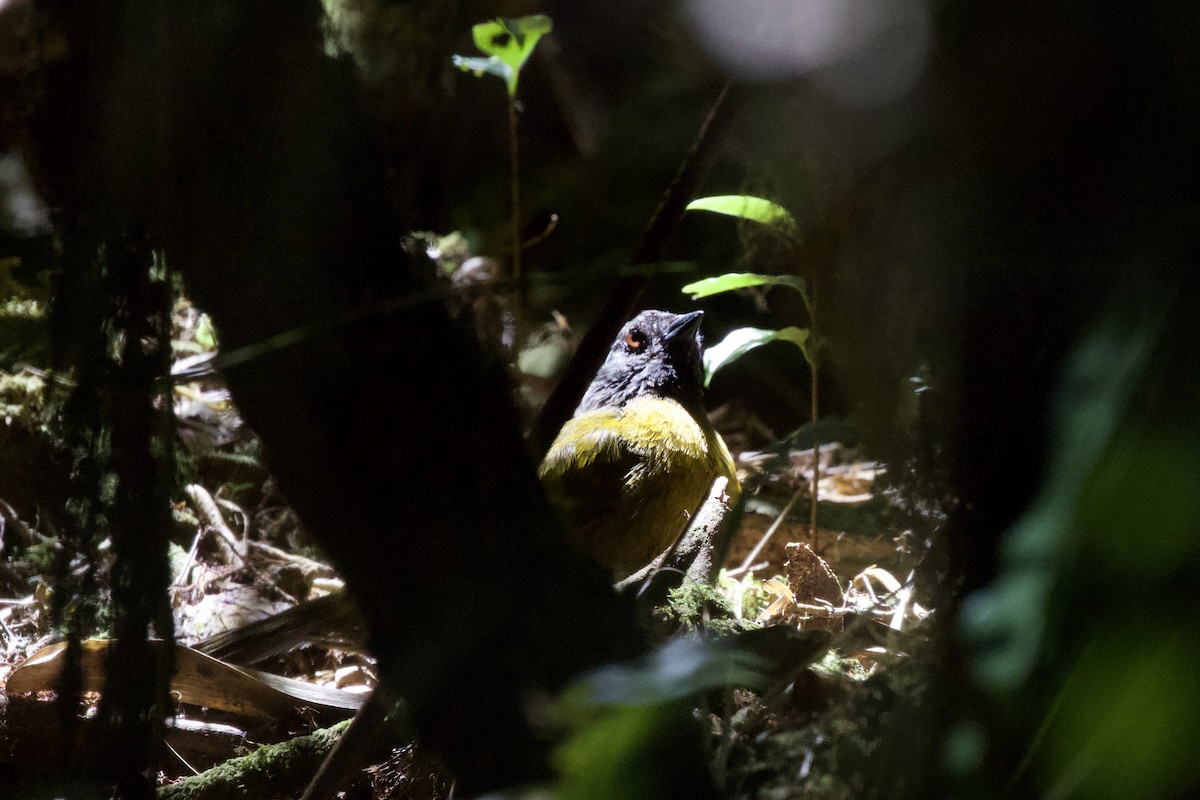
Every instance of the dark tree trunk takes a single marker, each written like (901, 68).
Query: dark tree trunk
(386, 428)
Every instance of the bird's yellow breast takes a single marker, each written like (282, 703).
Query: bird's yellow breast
(626, 479)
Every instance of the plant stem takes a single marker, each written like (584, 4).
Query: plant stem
(812, 366)
(515, 185)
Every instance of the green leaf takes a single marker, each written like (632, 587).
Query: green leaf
(632, 730)
(742, 340)
(678, 669)
(508, 43)
(755, 209)
(206, 334)
(741, 280)
(621, 754)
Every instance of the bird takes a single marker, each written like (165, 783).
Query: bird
(639, 454)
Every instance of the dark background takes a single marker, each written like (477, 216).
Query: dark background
(975, 229)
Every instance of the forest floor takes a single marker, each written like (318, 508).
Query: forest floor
(250, 672)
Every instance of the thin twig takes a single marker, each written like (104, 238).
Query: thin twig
(627, 294)
(766, 536)
(813, 350)
(515, 185)
(182, 760)
(861, 618)
(543, 235)
(181, 579)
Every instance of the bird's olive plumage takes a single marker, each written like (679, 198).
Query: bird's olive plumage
(639, 455)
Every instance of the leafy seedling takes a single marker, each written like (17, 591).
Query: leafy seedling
(743, 340)
(508, 43)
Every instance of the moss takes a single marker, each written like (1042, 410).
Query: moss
(695, 605)
(274, 771)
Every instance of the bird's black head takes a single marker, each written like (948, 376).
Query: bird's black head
(656, 353)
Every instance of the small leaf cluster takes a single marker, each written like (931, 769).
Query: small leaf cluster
(508, 44)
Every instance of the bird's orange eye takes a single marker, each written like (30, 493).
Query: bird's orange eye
(635, 340)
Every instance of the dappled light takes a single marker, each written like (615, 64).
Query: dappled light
(863, 53)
